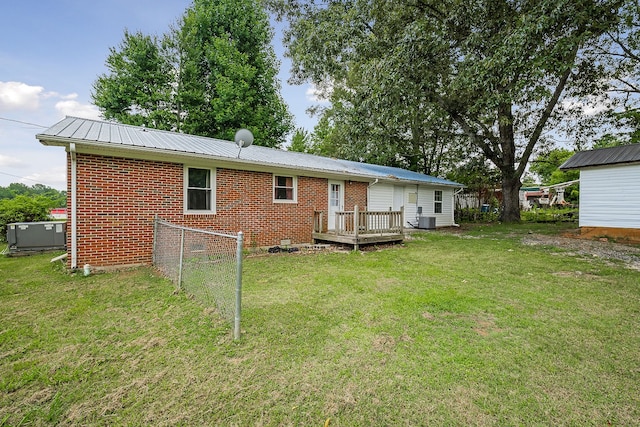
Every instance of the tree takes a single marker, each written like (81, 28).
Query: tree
(56, 198)
(620, 55)
(391, 129)
(622, 52)
(497, 69)
(138, 90)
(546, 164)
(229, 72)
(213, 74)
(301, 141)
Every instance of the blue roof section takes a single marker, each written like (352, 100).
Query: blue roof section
(390, 172)
(135, 138)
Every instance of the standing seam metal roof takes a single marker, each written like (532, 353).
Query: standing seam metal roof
(603, 156)
(77, 130)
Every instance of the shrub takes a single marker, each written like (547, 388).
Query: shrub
(550, 215)
(470, 215)
(476, 215)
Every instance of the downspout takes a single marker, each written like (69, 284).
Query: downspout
(74, 219)
(417, 206)
(453, 211)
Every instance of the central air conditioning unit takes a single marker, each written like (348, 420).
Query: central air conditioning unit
(36, 236)
(426, 222)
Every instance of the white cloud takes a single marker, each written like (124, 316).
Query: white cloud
(55, 177)
(19, 96)
(319, 94)
(589, 106)
(71, 107)
(7, 161)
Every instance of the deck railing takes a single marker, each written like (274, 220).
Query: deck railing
(356, 222)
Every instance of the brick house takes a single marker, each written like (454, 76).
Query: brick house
(120, 177)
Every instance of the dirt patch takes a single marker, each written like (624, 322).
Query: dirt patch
(575, 274)
(601, 248)
(384, 343)
(485, 326)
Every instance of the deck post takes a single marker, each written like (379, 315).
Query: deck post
(356, 226)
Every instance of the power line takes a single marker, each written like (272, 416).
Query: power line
(21, 122)
(21, 177)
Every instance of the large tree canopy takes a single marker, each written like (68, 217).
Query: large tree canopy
(621, 53)
(495, 69)
(213, 74)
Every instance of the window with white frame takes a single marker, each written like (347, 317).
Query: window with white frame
(437, 201)
(199, 191)
(285, 189)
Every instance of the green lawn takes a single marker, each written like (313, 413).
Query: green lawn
(470, 329)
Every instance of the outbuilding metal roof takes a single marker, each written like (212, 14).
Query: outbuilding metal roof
(603, 156)
(115, 135)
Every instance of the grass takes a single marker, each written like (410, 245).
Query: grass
(470, 329)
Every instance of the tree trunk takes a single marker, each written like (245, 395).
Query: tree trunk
(510, 178)
(510, 200)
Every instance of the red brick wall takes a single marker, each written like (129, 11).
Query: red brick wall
(355, 193)
(118, 199)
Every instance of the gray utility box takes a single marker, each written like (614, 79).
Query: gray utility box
(36, 236)
(427, 222)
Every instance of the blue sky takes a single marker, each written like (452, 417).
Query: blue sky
(51, 52)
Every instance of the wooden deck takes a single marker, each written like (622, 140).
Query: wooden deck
(360, 227)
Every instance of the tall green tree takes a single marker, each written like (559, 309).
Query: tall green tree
(214, 73)
(138, 88)
(229, 72)
(497, 69)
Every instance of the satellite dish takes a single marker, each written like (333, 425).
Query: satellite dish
(243, 138)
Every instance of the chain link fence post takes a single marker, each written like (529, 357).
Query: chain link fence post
(236, 324)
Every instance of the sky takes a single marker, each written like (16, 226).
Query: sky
(51, 53)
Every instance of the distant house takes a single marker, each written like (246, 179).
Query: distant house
(58, 213)
(119, 178)
(609, 191)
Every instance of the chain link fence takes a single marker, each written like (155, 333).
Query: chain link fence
(205, 264)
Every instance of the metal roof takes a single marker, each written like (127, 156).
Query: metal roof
(603, 156)
(115, 135)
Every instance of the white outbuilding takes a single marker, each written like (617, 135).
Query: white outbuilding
(609, 191)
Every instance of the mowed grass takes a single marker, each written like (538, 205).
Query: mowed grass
(471, 329)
